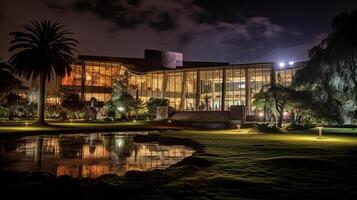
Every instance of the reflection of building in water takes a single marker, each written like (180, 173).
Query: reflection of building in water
(93, 155)
(153, 156)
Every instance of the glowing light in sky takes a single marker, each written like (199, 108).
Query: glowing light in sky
(282, 64)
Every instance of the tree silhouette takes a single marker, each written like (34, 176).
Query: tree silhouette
(43, 50)
(8, 82)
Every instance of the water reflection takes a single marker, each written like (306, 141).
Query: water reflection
(89, 155)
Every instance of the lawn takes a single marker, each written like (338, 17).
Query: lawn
(7, 128)
(234, 165)
(271, 166)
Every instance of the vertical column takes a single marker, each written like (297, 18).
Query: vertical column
(164, 84)
(183, 90)
(83, 81)
(272, 75)
(247, 91)
(198, 89)
(223, 98)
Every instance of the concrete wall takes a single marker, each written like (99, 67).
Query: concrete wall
(201, 116)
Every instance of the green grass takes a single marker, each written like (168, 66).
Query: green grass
(249, 166)
(21, 126)
(337, 130)
(270, 166)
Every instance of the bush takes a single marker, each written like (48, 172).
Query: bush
(153, 103)
(3, 111)
(109, 110)
(52, 112)
(268, 128)
(63, 114)
(299, 126)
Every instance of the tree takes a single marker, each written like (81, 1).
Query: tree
(153, 103)
(8, 82)
(110, 109)
(340, 51)
(280, 99)
(42, 50)
(14, 102)
(263, 100)
(31, 101)
(138, 105)
(121, 97)
(331, 71)
(71, 102)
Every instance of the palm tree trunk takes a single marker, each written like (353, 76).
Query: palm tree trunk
(41, 101)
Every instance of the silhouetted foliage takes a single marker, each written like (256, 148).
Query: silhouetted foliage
(42, 50)
(8, 82)
(71, 103)
(14, 103)
(331, 72)
(153, 103)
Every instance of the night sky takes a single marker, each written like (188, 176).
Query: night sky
(207, 30)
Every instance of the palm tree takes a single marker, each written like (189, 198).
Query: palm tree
(43, 50)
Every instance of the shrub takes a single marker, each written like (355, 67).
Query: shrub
(3, 111)
(153, 103)
(268, 128)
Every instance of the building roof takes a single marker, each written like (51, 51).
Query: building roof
(155, 60)
(145, 65)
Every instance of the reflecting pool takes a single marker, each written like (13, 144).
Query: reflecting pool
(87, 155)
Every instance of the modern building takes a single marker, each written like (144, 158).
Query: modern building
(188, 85)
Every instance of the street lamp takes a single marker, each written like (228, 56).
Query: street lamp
(320, 131)
(238, 126)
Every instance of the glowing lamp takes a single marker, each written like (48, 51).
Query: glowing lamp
(320, 130)
(282, 64)
(261, 114)
(238, 126)
(291, 63)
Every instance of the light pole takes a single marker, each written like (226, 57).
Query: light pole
(320, 131)
(238, 127)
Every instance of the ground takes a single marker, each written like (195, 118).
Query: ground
(234, 165)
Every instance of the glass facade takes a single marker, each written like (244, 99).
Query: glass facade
(187, 89)
(285, 76)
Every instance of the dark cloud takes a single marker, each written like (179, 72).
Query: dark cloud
(134, 2)
(56, 6)
(185, 38)
(164, 22)
(125, 14)
(237, 31)
(112, 10)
